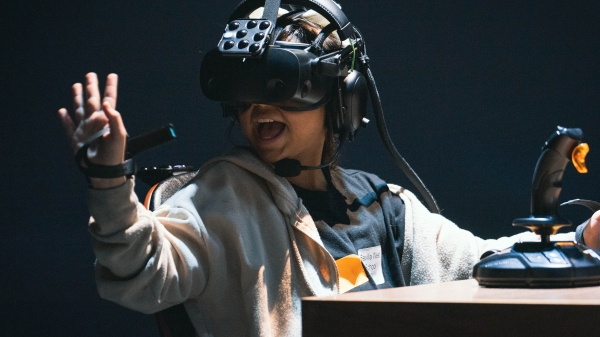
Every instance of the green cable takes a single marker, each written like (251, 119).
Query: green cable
(353, 55)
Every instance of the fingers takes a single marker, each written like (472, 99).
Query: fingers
(92, 94)
(67, 122)
(78, 101)
(69, 127)
(110, 92)
(92, 115)
(115, 122)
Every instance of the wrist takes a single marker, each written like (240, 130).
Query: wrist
(106, 183)
(113, 175)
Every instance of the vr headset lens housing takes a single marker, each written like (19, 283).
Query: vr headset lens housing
(285, 76)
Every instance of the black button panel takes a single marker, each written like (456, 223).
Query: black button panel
(545, 257)
(238, 34)
(555, 257)
(536, 257)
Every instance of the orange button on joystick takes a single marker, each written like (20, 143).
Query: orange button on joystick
(578, 157)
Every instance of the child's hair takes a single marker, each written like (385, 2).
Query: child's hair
(303, 30)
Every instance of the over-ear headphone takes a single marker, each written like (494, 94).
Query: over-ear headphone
(350, 107)
(248, 68)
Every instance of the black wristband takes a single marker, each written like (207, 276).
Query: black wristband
(127, 168)
(579, 232)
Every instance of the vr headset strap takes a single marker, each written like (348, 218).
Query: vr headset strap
(327, 8)
(271, 10)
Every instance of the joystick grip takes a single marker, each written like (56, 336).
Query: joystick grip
(547, 182)
(547, 177)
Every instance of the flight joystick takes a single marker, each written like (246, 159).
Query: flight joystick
(563, 146)
(545, 263)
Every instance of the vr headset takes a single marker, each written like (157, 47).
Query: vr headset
(249, 66)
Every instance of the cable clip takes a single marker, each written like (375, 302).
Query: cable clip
(364, 60)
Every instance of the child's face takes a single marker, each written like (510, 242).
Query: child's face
(276, 134)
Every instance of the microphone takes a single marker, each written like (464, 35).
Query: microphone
(288, 167)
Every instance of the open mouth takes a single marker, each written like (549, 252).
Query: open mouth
(269, 129)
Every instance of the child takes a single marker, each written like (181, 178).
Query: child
(239, 245)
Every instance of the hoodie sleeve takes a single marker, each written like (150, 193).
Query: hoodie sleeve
(140, 263)
(436, 250)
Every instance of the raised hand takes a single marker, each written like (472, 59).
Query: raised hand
(90, 116)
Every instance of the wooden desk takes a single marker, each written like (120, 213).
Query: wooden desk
(460, 308)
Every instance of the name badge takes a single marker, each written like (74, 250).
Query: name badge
(371, 258)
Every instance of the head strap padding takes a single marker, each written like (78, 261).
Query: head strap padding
(327, 8)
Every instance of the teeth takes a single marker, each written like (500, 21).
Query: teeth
(265, 121)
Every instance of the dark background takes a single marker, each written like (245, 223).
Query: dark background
(471, 90)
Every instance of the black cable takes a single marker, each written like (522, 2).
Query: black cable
(385, 136)
(400, 161)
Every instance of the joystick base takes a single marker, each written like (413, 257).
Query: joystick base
(540, 265)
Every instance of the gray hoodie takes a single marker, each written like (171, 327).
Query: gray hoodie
(239, 249)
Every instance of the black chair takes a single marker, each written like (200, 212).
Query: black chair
(173, 321)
